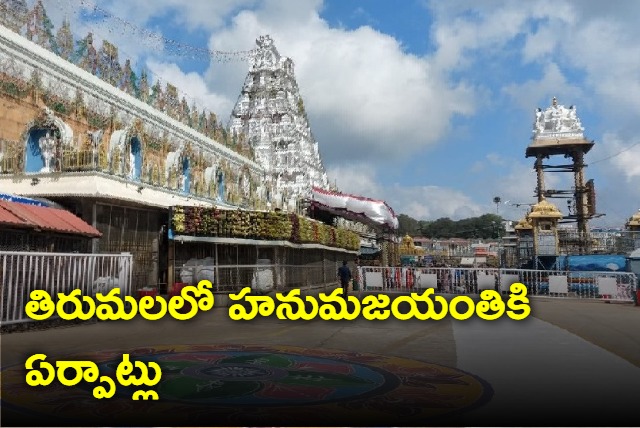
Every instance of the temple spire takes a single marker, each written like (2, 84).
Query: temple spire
(272, 115)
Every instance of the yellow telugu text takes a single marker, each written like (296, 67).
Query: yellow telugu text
(44, 374)
(199, 298)
(381, 307)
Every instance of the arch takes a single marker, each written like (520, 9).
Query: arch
(36, 159)
(210, 177)
(135, 158)
(43, 139)
(127, 143)
(221, 185)
(174, 164)
(186, 174)
(245, 183)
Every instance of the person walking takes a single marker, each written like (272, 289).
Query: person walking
(344, 274)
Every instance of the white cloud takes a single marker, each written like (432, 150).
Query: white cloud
(364, 95)
(626, 157)
(371, 103)
(432, 202)
(357, 178)
(189, 84)
(420, 202)
(530, 94)
(189, 15)
(592, 40)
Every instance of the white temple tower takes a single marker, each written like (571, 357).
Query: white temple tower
(271, 114)
(557, 131)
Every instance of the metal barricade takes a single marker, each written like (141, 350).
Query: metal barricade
(23, 272)
(443, 280)
(612, 286)
(262, 278)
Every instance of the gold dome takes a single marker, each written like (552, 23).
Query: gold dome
(544, 209)
(634, 221)
(524, 224)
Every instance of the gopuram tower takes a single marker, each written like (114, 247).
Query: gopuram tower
(557, 131)
(271, 114)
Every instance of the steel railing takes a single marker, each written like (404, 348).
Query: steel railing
(262, 278)
(23, 272)
(620, 286)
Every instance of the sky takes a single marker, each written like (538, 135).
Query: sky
(428, 105)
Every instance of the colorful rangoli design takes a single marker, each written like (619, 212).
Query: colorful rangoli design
(249, 385)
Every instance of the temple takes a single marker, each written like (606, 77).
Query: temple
(557, 131)
(270, 113)
(81, 130)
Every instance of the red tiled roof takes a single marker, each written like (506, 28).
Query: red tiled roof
(47, 219)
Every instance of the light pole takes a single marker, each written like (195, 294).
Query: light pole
(497, 201)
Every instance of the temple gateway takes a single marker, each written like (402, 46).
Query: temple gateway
(270, 113)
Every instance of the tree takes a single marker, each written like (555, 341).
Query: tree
(408, 226)
(487, 226)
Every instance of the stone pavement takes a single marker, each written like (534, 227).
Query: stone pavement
(568, 355)
(614, 326)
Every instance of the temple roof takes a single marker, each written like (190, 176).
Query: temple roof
(557, 146)
(545, 209)
(557, 129)
(524, 224)
(634, 220)
(42, 218)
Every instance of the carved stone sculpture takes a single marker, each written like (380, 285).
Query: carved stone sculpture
(47, 148)
(557, 121)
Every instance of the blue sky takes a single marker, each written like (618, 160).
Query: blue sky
(428, 105)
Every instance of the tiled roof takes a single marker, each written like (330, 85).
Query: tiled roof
(47, 219)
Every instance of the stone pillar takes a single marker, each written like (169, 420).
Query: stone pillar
(581, 204)
(540, 178)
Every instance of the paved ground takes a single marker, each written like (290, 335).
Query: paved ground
(569, 353)
(614, 327)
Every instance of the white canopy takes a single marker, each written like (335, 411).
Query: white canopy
(355, 207)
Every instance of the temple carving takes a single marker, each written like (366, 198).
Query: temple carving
(557, 121)
(270, 113)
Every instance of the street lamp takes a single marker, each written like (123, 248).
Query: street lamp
(497, 201)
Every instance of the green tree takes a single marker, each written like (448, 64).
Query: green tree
(408, 225)
(487, 226)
